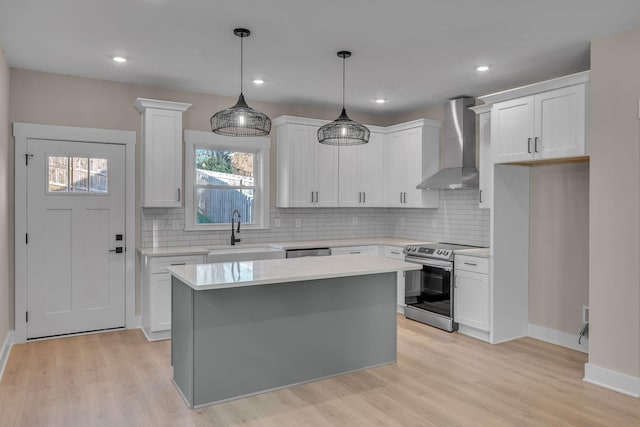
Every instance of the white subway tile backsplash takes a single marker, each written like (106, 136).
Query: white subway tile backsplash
(458, 220)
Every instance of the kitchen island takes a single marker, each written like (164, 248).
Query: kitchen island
(241, 328)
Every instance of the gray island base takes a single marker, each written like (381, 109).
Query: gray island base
(236, 342)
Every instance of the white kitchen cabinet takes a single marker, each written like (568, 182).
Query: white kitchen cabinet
(543, 126)
(307, 170)
(485, 160)
(395, 252)
(356, 250)
(361, 180)
(471, 295)
(156, 293)
(161, 152)
(412, 153)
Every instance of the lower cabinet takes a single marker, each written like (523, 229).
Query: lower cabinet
(471, 295)
(395, 252)
(156, 293)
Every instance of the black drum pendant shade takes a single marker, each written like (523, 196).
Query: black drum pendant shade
(240, 120)
(343, 130)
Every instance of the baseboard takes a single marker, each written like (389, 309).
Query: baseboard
(616, 381)
(156, 336)
(5, 351)
(473, 332)
(560, 338)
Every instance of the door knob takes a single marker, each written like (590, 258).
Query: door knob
(118, 250)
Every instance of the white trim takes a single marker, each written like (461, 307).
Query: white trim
(282, 120)
(261, 146)
(413, 124)
(556, 337)
(156, 336)
(616, 381)
(142, 104)
(532, 89)
(5, 352)
(482, 108)
(473, 332)
(22, 132)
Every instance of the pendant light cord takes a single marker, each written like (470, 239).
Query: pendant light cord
(343, 59)
(241, 61)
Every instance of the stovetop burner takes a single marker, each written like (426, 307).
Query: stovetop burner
(442, 251)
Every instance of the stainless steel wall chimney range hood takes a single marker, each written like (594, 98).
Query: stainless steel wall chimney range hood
(459, 169)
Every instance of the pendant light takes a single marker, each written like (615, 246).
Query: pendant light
(343, 130)
(240, 120)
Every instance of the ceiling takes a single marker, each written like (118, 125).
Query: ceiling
(414, 53)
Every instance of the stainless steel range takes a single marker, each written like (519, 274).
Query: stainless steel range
(429, 293)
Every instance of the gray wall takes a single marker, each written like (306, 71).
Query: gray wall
(6, 205)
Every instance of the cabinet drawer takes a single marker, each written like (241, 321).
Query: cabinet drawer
(355, 250)
(160, 264)
(472, 263)
(394, 252)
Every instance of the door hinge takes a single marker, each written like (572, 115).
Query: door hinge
(27, 316)
(26, 159)
(26, 238)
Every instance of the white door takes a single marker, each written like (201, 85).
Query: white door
(512, 130)
(301, 158)
(75, 222)
(372, 175)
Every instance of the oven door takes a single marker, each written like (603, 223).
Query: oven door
(430, 289)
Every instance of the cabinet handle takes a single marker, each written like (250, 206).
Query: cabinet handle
(312, 197)
(405, 197)
(535, 145)
(316, 197)
(400, 197)
(178, 194)
(529, 145)
(359, 197)
(364, 197)
(395, 253)
(354, 252)
(470, 263)
(480, 196)
(179, 263)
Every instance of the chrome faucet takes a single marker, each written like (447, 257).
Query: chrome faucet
(233, 236)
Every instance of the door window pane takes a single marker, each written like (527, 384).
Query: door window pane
(77, 175)
(58, 174)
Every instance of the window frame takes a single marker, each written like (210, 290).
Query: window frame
(259, 146)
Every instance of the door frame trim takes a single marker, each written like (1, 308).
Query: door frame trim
(22, 132)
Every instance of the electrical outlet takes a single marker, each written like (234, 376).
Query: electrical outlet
(276, 222)
(585, 314)
(298, 222)
(403, 221)
(434, 223)
(354, 220)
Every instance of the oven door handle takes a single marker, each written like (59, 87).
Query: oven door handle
(447, 266)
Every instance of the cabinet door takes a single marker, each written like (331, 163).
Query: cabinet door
(301, 165)
(486, 164)
(471, 300)
(160, 295)
(513, 130)
(560, 123)
(162, 158)
(326, 173)
(371, 171)
(413, 167)
(350, 175)
(395, 252)
(396, 172)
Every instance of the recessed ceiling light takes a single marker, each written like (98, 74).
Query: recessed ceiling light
(483, 68)
(380, 100)
(120, 59)
(258, 81)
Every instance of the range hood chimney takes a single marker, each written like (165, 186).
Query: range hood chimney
(459, 169)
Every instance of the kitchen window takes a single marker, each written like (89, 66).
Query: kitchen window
(224, 174)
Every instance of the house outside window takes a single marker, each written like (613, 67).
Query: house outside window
(223, 174)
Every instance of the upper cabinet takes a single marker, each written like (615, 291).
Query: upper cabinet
(161, 152)
(383, 172)
(540, 122)
(360, 174)
(412, 153)
(307, 170)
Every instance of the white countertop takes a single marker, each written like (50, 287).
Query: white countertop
(477, 252)
(253, 273)
(304, 244)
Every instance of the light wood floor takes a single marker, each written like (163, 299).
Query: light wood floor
(441, 379)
